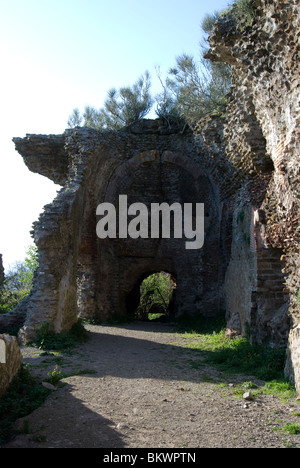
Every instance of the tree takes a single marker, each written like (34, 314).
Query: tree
(17, 283)
(75, 119)
(194, 90)
(166, 108)
(156, 290)
(121, 108)
(198, 90)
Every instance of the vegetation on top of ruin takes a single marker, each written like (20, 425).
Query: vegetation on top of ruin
(192, 90)
(121, 108)
(243, 11)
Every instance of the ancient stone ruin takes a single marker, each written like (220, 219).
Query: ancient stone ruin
(10, 361)
(244, 167)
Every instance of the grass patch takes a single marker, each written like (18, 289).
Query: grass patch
(155, 316)
(200, 325)
(285, 390)
(23, 396)
(282, 389)
(57, 374)
(240, 356)
(236, 356)
(292, 428)
(47, 340)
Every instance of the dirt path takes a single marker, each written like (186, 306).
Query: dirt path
(140, 391)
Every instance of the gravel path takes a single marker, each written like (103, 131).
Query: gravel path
(140, 390)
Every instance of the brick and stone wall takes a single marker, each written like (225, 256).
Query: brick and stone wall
(80, 274)
(261, 136)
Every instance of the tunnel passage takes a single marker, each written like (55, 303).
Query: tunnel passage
(152, 297)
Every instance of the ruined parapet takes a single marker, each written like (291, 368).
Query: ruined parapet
(45, 155)
(10, 360)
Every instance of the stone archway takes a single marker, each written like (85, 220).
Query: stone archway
(133, 298)
(80, 274)
(155, 177)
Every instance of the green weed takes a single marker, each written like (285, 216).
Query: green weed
(23, 396)
(292, 428)
(55, 376)
(47, 339)
(236, 356)
(240, 356)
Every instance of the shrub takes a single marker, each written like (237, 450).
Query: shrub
(18, 281)
(23, 396)
(47, 339)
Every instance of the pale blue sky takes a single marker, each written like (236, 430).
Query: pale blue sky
(61, 54)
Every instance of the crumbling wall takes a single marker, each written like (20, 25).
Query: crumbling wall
(263, 136)
(78, 273)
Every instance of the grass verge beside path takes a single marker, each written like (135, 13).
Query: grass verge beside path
(237, 355)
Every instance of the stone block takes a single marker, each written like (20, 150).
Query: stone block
(292, 368)
(10, 360)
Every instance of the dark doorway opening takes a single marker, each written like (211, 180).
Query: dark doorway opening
(153, 297)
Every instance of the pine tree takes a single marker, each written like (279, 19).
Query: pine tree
(121, 108)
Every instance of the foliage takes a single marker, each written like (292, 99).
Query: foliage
(18, 282)
(236, 355)
(292, 428)
(47, 339)
(240, 355)
(121, 108)
(75, 119)
(200, 89)
(55, 375)
(156, 292)
(23, 396)
(192, 90)
(166, 108)
(208, 21)
(195, 89)
(243, 11)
